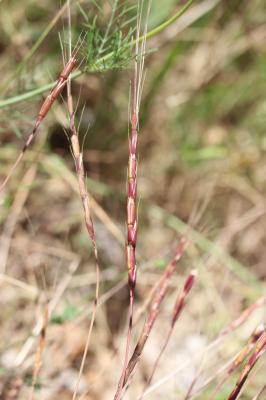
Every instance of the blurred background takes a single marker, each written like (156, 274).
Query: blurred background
(202, 164)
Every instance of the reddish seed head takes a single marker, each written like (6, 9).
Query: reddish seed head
(133, 143)
(132, 188)
(190, 281)
(131, 265)
(131, 260)
(181, 298)
(73, 60)
(132, 167)
(132, 279)
(132, 234)
(90, 229)
(48, 102)
(258, 332)
(131, 211)
(134, 120)
(71, 64)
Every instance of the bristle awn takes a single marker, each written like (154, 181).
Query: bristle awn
(132, 219)
(258, 352)
(78, 158)
(156, 302)
(179, 305)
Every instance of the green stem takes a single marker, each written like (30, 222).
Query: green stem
(167, 23)
(43, 89)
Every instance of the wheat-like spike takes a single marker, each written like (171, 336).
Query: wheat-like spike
(79, 165)
(132, 219)
(45, 108)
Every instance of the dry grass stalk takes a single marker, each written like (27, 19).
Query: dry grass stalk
(154, 310)
(259, 350)
(58, 293)
(179, 306)
(144, 307)
(87, 217)
(10, 224)
(79, 165)
(39, 351)
(21, 196)
(132, 220)
(180, 301)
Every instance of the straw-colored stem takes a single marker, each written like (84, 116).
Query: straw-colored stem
(79, 165)
(78, 158)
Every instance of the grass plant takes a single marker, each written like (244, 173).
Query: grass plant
(162, 191)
